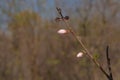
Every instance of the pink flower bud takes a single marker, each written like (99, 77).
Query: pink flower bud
(80, 54)
(62, 31)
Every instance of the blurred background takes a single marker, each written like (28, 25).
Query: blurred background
(31, 48)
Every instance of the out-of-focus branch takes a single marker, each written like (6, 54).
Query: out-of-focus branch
(108, 63)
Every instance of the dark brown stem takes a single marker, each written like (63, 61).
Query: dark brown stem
(81, 43)
(108, 63)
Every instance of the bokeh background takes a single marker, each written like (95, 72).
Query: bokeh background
(31, 48)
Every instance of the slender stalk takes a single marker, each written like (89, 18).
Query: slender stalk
(81, 43)
(108, 63)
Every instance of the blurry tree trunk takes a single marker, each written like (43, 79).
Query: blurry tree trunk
(25, 63)
(23, 27)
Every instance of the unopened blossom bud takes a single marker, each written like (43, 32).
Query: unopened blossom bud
(62, 31)
(80, 54)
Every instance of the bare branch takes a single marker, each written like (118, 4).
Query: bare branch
(81, 43)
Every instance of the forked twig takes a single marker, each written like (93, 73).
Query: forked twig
(81, 43)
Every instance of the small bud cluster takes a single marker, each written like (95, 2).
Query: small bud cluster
(60, 19)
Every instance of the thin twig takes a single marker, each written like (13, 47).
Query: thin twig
(108, 63)
(81, 43)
